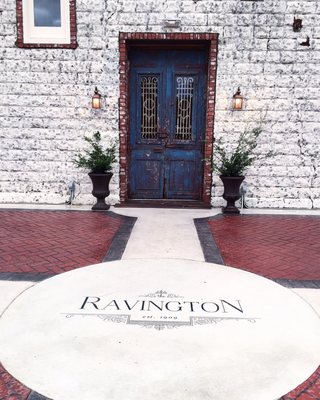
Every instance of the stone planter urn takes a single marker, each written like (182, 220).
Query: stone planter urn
(100, 183)
(231, 193)
(99, 160)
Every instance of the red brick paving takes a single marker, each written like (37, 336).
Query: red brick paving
(49, 242)
(309, 390)
(278, 247)
(11, 389)
(53, 241)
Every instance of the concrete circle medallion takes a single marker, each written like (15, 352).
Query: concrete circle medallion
(159, 329)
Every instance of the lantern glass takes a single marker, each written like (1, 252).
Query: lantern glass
(237, 100)
(96, 99)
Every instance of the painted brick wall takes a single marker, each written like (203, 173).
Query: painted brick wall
(45, 94)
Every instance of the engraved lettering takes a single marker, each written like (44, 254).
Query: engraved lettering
(179, 308)
(156, 305)
(191, 304)
(231, 305)
(204, 305)
(112, 303)
(129, 307)
(90, 302)
(163, 306)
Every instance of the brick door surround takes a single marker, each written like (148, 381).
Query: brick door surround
(127, 38)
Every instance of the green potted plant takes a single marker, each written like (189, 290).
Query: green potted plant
(99, 161)
(231, 166)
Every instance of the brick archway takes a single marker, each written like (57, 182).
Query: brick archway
(124, 43)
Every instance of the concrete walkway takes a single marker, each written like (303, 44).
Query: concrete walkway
(164, 233)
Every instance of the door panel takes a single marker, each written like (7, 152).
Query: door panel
(183, 175)
(167, 118)
(149, 177)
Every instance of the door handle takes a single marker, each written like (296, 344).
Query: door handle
(162, 135)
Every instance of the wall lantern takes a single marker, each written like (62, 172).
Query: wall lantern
(297, 24)
(96, 99)
(237, 102)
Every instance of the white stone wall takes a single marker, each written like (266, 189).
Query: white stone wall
(45, 94)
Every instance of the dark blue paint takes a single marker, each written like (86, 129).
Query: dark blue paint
(167, 168)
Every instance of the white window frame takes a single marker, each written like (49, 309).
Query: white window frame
(44, 34)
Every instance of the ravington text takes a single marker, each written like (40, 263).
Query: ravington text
(92, 302)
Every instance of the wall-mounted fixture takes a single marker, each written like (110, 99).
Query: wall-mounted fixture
(96, 99)
(306, 43)
(71, 192)
(237, 102)
(297, 24)
(171, 23)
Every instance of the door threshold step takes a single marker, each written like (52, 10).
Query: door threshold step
(160, 203)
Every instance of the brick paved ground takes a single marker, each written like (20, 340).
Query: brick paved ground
(51, 242)
(277, 247)
(309, 390)
(11, 389)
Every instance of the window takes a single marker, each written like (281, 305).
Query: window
(46, 23)
(47, 13)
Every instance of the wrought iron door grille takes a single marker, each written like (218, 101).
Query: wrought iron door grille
(184, 106)
(149, 107)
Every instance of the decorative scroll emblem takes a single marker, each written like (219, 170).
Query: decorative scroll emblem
(161, 310)
(161, 293)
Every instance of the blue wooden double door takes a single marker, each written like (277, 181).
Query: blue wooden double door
(167, 122)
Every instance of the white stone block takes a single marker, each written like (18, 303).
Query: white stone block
(45, 94)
